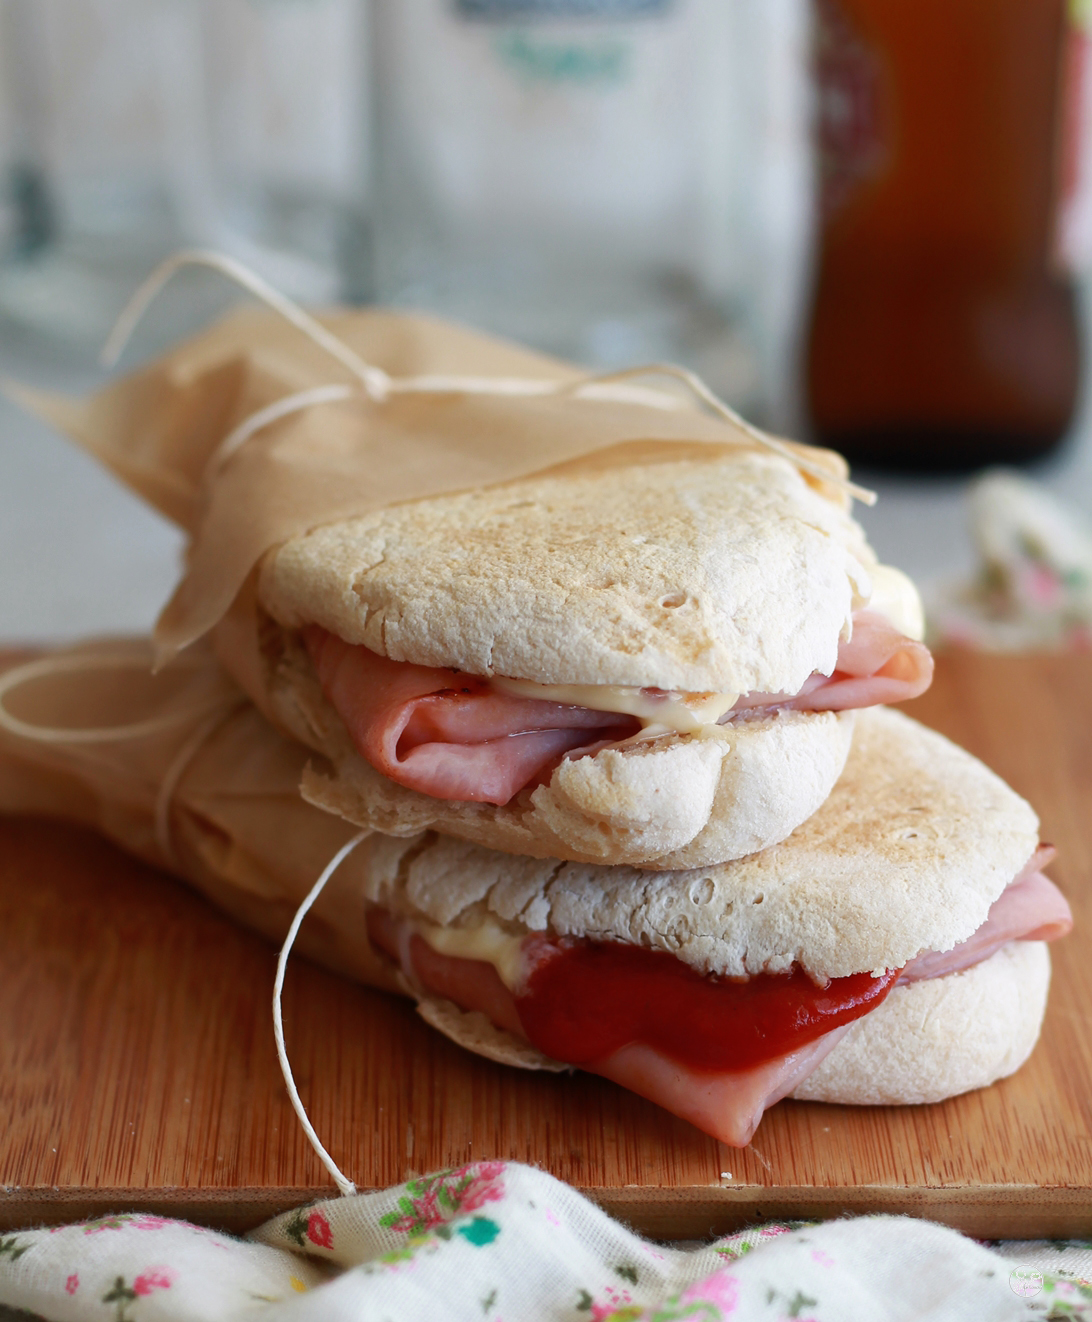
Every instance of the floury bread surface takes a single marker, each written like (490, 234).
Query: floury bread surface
(907, 855)
(941, 1037)
(726, 574)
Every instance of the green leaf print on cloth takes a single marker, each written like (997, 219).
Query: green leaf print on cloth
(430, 1201)
(12, 1248)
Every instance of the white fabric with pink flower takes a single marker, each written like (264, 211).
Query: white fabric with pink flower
(500, 1242)
(1032, 588)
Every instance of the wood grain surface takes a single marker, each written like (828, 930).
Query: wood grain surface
(137, 1067)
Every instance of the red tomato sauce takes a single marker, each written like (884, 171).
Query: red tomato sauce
(584, 1000)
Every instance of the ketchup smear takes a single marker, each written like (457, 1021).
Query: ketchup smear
(585, 1000)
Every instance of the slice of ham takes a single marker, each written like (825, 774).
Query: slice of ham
(447, 734)
(728, 1104)
(877, 665)
(453, 736)
(1031, 908)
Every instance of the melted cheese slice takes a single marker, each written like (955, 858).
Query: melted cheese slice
(685, 712)
(896, 598)
(487, 942)
(662, 712)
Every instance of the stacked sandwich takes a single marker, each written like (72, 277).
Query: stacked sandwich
(603, 674)
(637, 805)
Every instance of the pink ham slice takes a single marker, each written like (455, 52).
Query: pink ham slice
(1031, 908)
(452, 736)
(447, 734)
(877, 665)
(727, 1105)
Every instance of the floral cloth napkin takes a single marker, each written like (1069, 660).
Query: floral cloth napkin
(500, 1242)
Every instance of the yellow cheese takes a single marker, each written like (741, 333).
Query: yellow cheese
(896, 598)
(684, 713)
(662, 712)
(487, 942)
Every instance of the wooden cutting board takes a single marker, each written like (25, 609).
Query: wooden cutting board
(137, 1067)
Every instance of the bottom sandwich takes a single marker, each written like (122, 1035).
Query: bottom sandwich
(892, 949)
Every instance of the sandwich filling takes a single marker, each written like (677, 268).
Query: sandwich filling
(469, 738)
(715, 1051)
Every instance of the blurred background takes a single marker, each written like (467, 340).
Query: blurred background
(864, 222)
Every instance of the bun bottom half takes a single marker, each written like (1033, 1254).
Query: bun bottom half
(941, 1037)
(674, 802)
(679, 801)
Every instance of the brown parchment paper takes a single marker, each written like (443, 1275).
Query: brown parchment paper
(158, 428)
(238, 830)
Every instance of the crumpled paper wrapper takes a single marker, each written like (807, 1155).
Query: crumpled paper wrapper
(236, 826)
(160, 428)
(238, 829)
(1032, 590)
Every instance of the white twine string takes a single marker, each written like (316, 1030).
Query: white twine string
(177, 769)
(216, 715)
(344, 1184)
(57, 665)
(378, 385)
(375, 381)
(272, 413)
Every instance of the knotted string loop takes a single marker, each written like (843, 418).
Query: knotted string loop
(378, 385)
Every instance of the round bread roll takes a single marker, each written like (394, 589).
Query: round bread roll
(723, 574)
(941, 1037)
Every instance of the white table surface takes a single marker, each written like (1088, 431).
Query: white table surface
(80, 555)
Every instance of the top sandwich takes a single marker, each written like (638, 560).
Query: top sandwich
(654, 664)
(561, 617)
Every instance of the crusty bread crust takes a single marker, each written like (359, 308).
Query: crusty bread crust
(473, 1031)
(726, 574)
(912, 847)
(942, 1037)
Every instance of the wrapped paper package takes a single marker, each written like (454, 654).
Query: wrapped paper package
(253, 433)
(202, 787)
(181, 770)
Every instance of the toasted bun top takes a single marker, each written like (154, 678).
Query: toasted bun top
(914, 844)
(728, 573)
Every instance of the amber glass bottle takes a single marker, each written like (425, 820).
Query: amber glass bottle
(943, 331)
